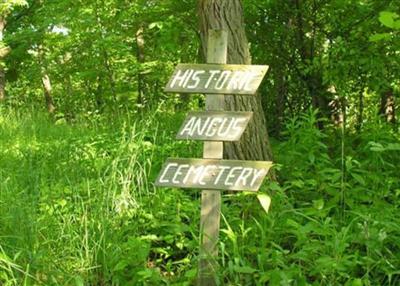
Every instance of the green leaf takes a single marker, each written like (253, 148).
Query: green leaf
(393, 146)
(79, 281)
(358, 178)
(318, 204)
(244, 269)
(62, 203)
(155, 25)
(274, 186)
(191, 273)
(355, 282)
(380, 36)
(387, 18)
(121, 265)
(376, 147)
(265, 201)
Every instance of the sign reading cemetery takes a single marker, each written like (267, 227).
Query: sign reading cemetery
(214, 125)
(213, 174)
(216, 79)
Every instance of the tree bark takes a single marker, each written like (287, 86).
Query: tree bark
(228, 15)
(306, 42)
(104, 52)
(2, 84)
(388, 106)
(141, 59)
(281, 95)
(47, 93)
(360, 114)
(110, 74)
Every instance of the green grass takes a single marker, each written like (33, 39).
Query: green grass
(73, 197)
(78, 207)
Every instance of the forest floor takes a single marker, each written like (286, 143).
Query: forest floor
(78, 207)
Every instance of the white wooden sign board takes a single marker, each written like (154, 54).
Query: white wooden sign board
(216, 79)
(213, 174)
(214, 125)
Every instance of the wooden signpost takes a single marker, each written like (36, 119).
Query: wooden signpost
(211, 174)
(214, 126)
(216, 79)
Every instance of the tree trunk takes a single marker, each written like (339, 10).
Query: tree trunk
(228, 15)
(306, 42)
(104, 53)
(98, 94)
(388, 107)
(47, 93)
(337, 107)
(184, 98)
(281, 96)
(141, 59)
(110, 74)
(2, 84)
(360, 114)
(2, 56)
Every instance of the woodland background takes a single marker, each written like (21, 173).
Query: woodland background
(85, 127)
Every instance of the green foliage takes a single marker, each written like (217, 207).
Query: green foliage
(310, 237)
(78, 207)
(77, 200)
(8, 5)
(389, 19)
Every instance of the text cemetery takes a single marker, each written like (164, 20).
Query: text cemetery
(213, 174)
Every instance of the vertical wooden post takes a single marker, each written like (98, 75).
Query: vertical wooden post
(217, 47)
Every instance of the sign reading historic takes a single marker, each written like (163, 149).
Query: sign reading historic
(216, 79)
(214, 125)
(213, 174)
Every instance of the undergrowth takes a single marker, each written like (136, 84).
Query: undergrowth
(78, 207)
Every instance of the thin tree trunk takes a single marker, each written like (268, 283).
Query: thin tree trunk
(337, 107)
(2, 56)
(228, 15)
(360, 115)
(47, 91)
(104, 52)
(388, 106)
(2, 84)
(46, 83)
(141, 59)
(281, 95)
(184, 98)
(110, 74)
(98, 94)
(313, 79)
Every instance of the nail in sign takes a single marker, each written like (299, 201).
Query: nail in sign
(214, 125)
(216, 79)
(212, 174)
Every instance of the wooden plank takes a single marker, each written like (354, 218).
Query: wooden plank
(214, 125)
(213, 174)
(216, 79)
(210, 214)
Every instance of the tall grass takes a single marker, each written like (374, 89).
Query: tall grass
(78, 207)
(68, 197)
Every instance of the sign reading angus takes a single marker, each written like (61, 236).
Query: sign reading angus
(212, 174)
(214, 125)
(217, 79)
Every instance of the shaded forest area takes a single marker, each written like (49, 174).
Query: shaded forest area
(85, 127)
